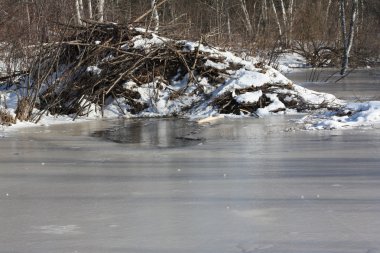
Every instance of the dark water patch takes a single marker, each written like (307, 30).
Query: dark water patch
(157, 133)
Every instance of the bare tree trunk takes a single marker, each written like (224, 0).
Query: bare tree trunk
(155, 16)
(360, 17)
(265, 10)
(78, 12)
(291, 20)
(129, 15)
(218, 20)
(100, 11)
(247, 20)
(342, 10)
(29, 20)
(277, 20)
(348, 39)
(285, 20)
(81, 8)
(89, 6)
(229, 27)
(28, 15)
(327, 11)
(259, 22)
(284, 16)
(362, 9)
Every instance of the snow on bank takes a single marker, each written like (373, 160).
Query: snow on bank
(353, 115)
(287, 62)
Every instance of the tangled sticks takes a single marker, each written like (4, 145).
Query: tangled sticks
(105, 64)
(93, 64)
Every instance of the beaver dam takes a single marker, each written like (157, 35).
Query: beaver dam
(111, 70)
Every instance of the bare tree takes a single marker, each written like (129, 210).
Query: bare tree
(284, 15)
(89, 6)
(327, 11)
(100, 10)
(277, 19)
(81, 8)
(78, 12)
(247, 19)
(155, 16)
(347, 38)
(291, 18)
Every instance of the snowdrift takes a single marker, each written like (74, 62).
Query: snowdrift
(109, 70)
(352, 115)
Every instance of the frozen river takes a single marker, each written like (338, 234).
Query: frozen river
(171, 186)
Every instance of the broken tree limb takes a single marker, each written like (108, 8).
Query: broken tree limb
(137, 20)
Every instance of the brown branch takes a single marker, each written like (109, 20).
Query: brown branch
(148, 12)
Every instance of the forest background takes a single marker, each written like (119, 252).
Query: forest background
(325, 32)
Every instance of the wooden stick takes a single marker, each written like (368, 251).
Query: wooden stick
(148, 12)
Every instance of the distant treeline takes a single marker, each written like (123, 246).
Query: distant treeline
(318, 29)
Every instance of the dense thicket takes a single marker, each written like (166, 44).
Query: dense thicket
(310, 27)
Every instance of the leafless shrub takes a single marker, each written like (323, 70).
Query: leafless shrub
(6, 118)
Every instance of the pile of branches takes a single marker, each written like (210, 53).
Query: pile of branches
(99, 64)
(227, 103)
(91, 65)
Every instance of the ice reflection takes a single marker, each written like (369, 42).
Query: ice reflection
(153, 132)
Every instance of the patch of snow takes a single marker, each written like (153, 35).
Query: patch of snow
(247, 78)
(116, 108)
(274, 106)
(94, 70)
(192, 46)
(244, 79)
(249, 97)
(139, 42)
(289, 61)
(216, 65)
(317, 98)
(352, 115)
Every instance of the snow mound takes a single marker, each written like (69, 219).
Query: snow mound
(353, 115)
(129, 72)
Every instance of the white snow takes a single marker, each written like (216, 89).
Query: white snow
(352, 115)
(317, 98)
(140, 42)
(287, 62)
(94, 70)
(244, 79)
(275, 105)
(249, 97)
(217, 65)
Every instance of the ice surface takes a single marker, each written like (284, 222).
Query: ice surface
(251, 187)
